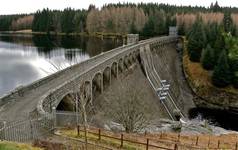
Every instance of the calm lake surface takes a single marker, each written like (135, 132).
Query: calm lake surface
(26, 58)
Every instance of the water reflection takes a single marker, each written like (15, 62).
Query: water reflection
(24, 59)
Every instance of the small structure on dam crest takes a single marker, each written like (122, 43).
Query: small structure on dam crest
(132, 38)
(173, 31)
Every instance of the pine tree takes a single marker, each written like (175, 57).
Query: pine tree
(235, 80)
(234, 30)
(233, 60)
(159, 20)
(211, 32)
(181, 29)
(219, 45)
(196, 41)
(221, 76)
(216, 7)
(133, 29)
(227, 22)
(148, 29)
(208, 60)
(67, 21)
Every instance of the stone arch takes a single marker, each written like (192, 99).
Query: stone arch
(126, 62)
(106, 77)
(134, 56)
(130, 59)
(114, 70)
(138, 53)
(120, 65)
(67, 103)
(97, 84)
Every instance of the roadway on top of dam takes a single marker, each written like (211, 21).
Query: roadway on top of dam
(19, 108)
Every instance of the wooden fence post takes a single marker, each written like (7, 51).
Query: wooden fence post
(99, 134)
(78, 129)
(147, 144)
(197, 140)
(4, 130)
(208, 142)
(31, 129)
(218, 144)
(175, 146)
(178, 137)
(121, 140)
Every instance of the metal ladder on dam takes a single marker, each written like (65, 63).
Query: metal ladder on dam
(158, 84)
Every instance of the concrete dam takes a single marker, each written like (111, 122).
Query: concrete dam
(150, 68)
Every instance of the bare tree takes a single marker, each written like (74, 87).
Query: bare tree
(114, 19)
(126, 107)
(22, 23)
(81, 102)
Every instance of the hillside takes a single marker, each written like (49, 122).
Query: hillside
(209, 96)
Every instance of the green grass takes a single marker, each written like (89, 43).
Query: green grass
(16, 146)
(4, 146)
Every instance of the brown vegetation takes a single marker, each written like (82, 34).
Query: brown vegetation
(188, 19)
(185, 19)
(22, 23)
(235, 19)
(212, 17)
(116, 20)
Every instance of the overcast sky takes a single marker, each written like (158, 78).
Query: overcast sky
(28, 6)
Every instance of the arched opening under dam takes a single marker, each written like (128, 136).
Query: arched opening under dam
(106, 77)
(67, 103)
(97, 85)
(114, 70)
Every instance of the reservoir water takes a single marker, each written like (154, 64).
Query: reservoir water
(26, 58)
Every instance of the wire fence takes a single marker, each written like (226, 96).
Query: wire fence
(65, 118)
(27, 130)
(38, 126)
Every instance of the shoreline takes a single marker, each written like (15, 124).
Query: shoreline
(95, 34)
